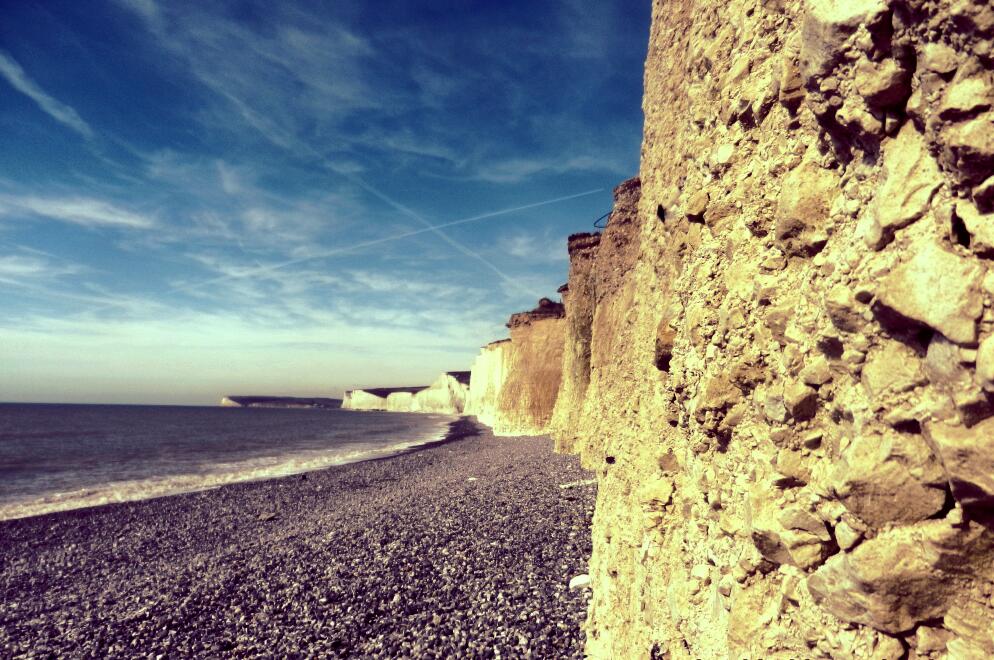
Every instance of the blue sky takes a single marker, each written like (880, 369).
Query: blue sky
(200, 198)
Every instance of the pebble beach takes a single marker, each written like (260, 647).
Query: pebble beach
(462, 549)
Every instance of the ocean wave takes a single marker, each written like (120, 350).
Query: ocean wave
(214, 476)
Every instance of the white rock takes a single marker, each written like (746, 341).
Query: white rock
(828, 24)
(939, 57)
(938, 288)
(965, 96)
(723, 154)
(968, 457)
(985, 363)
(846, 536)
(580, 581)
(912, 178)
(576, 484)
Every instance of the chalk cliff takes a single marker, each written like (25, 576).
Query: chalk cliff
(486, 381)
(779, 356)
(244, 401)
(377, 398)
(447, 395)
(514, 383)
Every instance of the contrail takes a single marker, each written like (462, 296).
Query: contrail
(293, 145)
(377, 241)
(437, 231)
(261, 270)
(428, 227)
(400, 207)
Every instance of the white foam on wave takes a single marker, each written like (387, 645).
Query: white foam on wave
(217, 475)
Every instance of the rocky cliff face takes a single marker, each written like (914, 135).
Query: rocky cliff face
(514, 383)
(779, 357)
(579, 297)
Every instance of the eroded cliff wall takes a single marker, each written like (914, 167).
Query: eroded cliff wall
(247, 401)
(514, 383)
(788, 400)
(535, 367)
(579, 296)
(399, 402)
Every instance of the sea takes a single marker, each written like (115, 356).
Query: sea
(56, 457)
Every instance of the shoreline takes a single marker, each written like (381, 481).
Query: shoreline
(459, 429)
(112, 493)
(447, 548)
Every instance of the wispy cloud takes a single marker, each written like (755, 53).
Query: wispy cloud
(541, 248)
(250, 281)
(302, 74)
(431, 289)
(319, 354)
(515, 170)
(247, 283)
(308, 82)
(224, 201)
(263, 270)
(437, 230)
(147, 9)
(86, 212)
(14, 74)
(231, 181)
(305, 298)
(295, 182)
(18, 268)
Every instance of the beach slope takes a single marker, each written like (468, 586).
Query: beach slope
(463, 548)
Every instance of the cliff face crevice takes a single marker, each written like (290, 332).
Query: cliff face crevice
(779, 356)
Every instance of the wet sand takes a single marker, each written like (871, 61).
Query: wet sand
(464, 548)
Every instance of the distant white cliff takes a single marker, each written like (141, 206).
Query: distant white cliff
(487, 381)
(447, 395)
(255, 401)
